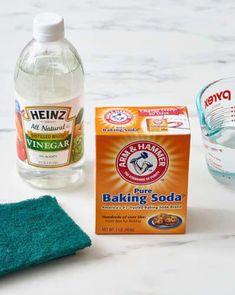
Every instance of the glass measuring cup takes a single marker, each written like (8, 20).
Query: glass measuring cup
(216, 108)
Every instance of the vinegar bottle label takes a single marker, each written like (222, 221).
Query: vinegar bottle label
(49, 136)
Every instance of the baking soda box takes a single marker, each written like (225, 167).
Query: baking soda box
(142, 162)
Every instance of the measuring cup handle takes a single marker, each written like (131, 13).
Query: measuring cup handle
(200, 110)
(206, 130)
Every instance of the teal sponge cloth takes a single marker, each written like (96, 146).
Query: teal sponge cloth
(35, 231)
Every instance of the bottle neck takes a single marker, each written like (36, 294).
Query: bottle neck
(48, 38)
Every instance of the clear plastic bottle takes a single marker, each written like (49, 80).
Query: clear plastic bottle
(49, 88)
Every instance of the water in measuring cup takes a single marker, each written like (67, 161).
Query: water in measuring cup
(221, 155)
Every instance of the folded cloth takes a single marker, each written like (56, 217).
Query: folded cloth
(35, 231)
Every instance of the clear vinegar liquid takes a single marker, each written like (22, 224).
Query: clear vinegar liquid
(50, 73)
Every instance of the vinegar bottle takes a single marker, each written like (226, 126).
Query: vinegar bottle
(49, 88)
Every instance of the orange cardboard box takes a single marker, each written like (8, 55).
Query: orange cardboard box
(142, 162)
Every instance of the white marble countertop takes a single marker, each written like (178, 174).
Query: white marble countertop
(135, 52)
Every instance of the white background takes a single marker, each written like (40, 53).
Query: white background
(135, 52)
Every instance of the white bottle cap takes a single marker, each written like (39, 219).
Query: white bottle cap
(48, 27)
